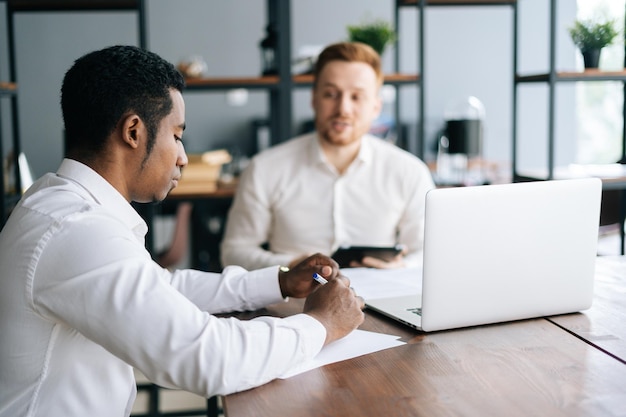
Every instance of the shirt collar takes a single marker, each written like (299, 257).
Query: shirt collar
(103, 193)
(364, 156)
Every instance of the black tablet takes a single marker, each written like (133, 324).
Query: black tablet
(345, 254)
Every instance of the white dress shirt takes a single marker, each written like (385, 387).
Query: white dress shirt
(293, 199)
(81, 303)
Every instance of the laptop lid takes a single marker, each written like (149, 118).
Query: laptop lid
(507, 252)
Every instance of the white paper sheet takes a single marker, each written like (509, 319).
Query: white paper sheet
(371, 283)
(357, 343)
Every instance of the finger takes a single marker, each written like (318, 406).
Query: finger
(326, 271)
(345, 280)
(355, 264)
(372, 262)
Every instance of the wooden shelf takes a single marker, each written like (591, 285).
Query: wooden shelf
(8, 89)
(393, 79)
(457, 2)
(71, 5)
(221, 83)
(587, 75)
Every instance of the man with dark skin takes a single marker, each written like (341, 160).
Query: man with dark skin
(81, 300)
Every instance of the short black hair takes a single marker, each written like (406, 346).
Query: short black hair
(102, 86)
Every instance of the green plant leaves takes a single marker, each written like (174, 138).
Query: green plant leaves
(376, 34)
(588, 34)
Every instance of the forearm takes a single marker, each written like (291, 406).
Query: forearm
(235, 289)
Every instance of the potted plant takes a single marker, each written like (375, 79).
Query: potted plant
(590, 37)
(377, 34)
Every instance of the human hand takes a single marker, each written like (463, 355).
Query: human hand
(298, 282)
(297, 260)
(372, 262)
(337, 307)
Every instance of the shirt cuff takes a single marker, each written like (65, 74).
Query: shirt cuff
(264, 285)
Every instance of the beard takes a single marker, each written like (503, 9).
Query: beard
(334, 138)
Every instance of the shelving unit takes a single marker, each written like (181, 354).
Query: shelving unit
(281, 86)
(551, 78)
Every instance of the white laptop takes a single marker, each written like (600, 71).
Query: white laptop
(498, 253)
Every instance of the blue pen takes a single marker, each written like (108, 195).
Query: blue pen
(317, 277)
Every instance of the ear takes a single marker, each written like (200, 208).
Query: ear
(133, 130)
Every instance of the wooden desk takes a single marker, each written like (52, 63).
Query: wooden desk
(604, 324)
(530, 367)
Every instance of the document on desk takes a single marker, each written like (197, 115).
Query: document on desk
(357, 343)
(371, 283)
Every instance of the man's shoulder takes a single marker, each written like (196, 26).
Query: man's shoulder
(59, 200)
(390, 150)
(54, 196)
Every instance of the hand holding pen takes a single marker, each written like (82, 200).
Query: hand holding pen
(335, 305)
(296, 282)
(322, 281)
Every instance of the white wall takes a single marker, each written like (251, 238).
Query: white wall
(468, 52)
